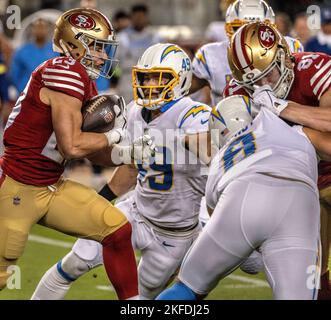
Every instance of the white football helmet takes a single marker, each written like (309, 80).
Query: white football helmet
(228, 117)
(243, 11)
(162, 61)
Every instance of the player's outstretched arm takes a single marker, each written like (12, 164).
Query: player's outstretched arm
(315, 118)
(200, 145)
(321, 141)
(122, 180)
(67, 122)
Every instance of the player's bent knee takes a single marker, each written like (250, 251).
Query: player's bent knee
(88, 250)
(154, 275)
(72, 266)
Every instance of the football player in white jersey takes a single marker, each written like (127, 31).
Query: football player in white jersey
(211, 68)
(164, 208)
(262, 190)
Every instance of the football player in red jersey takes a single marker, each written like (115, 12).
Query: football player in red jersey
(292, 86)
(43, 131)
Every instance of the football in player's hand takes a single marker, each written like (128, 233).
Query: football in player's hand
(98, 113)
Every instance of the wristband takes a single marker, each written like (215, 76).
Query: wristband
(107, 193)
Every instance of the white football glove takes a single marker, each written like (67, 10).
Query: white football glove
(265, 97)
(141, 150)
(117, 134)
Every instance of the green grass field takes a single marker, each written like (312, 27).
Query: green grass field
(39, 256)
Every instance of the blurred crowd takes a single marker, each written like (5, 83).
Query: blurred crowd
(22, 52)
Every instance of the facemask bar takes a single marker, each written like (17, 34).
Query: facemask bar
(283, 85)
(165, 90)
(106, 50)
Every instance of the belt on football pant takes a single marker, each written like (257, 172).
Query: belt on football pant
(182, 232)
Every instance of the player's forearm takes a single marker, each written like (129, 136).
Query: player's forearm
(200, 145)
(313, 117)
(321, 141)
(123, 179)
(84, 144)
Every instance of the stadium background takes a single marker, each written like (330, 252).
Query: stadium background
(189, 23)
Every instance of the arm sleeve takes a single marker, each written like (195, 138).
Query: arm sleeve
(232, 89)
(318, 74)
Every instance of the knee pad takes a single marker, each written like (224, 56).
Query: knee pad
(154, 272)
(72, 266)
(90, 251)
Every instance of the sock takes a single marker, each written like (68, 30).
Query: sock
(120, 263)
(178, 291)
(52, 286)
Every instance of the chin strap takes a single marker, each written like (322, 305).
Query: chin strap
(64, 49)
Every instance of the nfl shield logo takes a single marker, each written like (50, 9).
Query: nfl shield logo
(16, 200)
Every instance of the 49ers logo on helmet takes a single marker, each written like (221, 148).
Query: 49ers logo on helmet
(267, 37)
(82, 21)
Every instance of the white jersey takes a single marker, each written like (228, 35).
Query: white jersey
(168, 193)
(268, 146)
(211, 64)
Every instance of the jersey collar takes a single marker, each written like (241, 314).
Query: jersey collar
(168, 105)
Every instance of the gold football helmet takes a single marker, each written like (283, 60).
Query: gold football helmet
(258, 54)
(87, 35)
(244, 11)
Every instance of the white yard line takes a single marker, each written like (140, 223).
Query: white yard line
(51, 242)
(251, 283)
(255, 282)
(240, 286)
(105, 288)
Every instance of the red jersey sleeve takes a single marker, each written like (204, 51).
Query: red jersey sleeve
(314, 72)
(232, 89)
(66, 75)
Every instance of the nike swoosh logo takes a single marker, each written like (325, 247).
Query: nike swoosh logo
(319, 65)
(167, 244)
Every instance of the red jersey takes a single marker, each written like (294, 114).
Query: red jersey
(312, 78)
(31, 156)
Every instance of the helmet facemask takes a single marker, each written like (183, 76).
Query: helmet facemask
(103, 51)
(280, 66)
(153, 96)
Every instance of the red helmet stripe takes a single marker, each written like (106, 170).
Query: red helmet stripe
(239, 49)
(242, 42)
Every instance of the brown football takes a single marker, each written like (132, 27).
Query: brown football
(98, 113)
